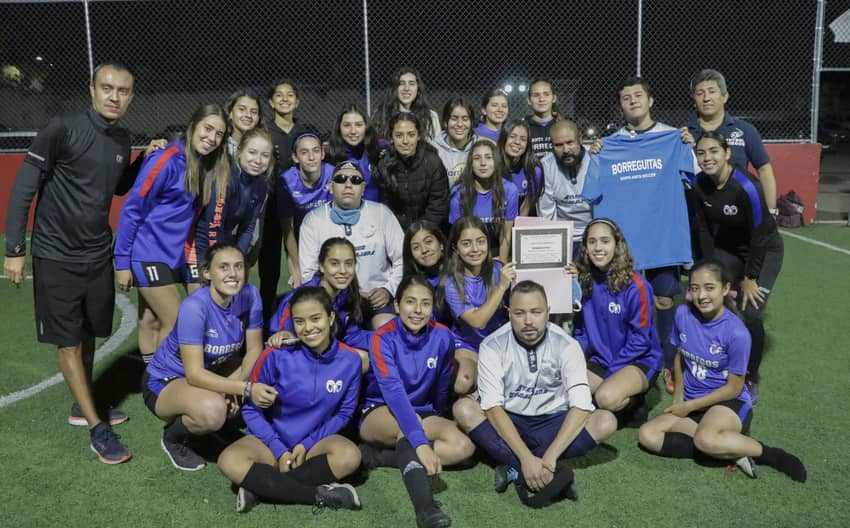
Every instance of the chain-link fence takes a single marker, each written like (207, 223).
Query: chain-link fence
(185, 53)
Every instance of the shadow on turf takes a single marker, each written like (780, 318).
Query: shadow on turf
(120, 379)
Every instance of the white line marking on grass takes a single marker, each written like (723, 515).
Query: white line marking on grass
(128, 323)
(815, 242)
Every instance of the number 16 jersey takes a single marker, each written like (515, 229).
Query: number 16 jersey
(711, 350)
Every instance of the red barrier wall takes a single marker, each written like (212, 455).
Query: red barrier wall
(9, 164)
(797, 167)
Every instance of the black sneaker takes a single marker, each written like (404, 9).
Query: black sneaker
(245, 500)
(432, 517)
(337, 497)
(76, 417)
(182, 456)
(107, 445)
(503, 476)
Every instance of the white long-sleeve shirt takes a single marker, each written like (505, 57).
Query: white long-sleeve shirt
(548, 378)
(377, 238)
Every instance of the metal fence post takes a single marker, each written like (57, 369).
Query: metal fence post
(88, 39)
(366, 56)
(816, 70)
(639, 35)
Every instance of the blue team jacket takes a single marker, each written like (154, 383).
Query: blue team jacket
(157, 216)
(616, 329)
(232, 216)
(411, 373)
(316, 395)
(349, 330)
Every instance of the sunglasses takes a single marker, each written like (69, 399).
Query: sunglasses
(356, 179)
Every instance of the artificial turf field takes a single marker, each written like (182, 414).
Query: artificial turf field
(49, 477)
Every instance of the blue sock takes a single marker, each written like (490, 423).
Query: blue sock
(486, 437)
(664, 320)
(582, 444)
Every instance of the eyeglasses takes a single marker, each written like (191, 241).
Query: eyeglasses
(356, 179)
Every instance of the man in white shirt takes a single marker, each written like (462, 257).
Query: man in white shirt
(371, 227)
(536, 406)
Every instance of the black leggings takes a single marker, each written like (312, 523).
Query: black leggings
(754, 317)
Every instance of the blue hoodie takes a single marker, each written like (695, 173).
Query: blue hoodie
(411, 373)
(316, 395)
(616, 329)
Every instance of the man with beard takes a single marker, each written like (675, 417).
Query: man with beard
(564, 171)
(535, 403)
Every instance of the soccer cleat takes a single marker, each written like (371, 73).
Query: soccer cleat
(337, 497)
(669, 386)
(107, 445)
(76, 417)
(182, 456)
(748, 466)
(502, 477)
(432, 517)
(245, 500)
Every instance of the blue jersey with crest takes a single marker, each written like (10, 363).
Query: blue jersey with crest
(201, 321)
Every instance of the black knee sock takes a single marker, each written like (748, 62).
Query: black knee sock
(268, 483)
(386, 457)
(677, 445)
(486, 437)
(176, 431)
(414, 475)
(783, 461)
(756, 328)
(314, 471)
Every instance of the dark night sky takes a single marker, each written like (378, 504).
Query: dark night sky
(588, 46)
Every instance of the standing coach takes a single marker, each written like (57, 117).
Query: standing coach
(76, 163)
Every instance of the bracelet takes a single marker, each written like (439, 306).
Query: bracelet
(246, 393)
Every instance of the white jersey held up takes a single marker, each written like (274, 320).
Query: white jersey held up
(546, 379)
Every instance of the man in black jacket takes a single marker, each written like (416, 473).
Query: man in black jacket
(76, 163)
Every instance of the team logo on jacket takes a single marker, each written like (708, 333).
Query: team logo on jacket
(683, 337)
(212, 332)
(431, 363)
(715, 349)
(333, 386)
(119, 158)
(614, 308)
(730, 210)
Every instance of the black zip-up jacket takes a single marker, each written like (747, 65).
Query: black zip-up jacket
(76, 164)
(415, 188)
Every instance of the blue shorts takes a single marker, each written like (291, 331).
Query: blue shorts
(651, 372)
(152, 274)
(665, 281)
(369, 312)
(538, 432)
(744, 410)
(463, 343)
(367, 410)
(151, 387)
